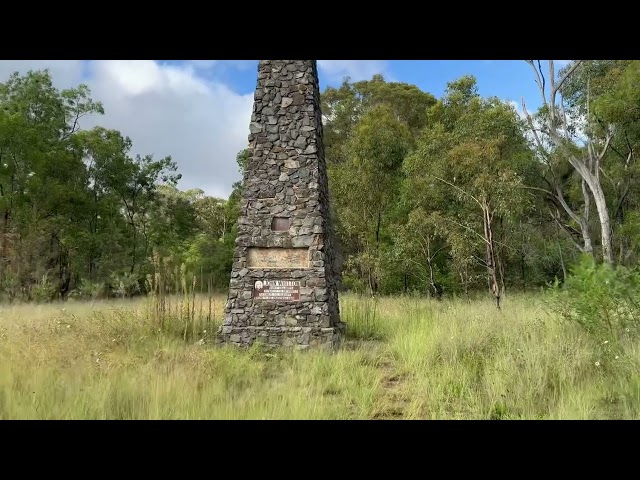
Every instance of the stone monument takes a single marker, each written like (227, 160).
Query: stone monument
(283, 288)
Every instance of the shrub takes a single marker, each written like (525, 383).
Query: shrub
(90, 290)
(602, 299)
(43, 290)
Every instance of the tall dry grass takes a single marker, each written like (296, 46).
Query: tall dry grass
(405, 358)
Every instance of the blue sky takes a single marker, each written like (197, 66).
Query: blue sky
(507, 79)
(198, 111)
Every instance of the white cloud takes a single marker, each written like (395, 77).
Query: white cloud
(166, 110)
(517, 107)
(178, 109)
(64, 72)
(336, 70)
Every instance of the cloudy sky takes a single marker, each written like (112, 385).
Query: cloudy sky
(198, 111)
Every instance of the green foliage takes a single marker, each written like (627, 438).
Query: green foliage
(414, 182)
(88, 290)
(408, 181)
(43, 290)
(601, 99)
(78, 209)
(365, 187)
(124, 284)
(602, 299)
(345, 106)
(466, 174)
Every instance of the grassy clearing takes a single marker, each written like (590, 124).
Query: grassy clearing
(405, 358)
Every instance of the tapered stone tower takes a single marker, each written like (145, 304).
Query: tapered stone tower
(283, 288)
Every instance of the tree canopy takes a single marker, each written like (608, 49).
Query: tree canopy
(436, 196)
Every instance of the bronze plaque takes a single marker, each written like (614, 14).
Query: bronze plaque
(258, 257)
(277, 290)
(280, 224)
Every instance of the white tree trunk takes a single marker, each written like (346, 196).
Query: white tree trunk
(595, 187)
(588, 170)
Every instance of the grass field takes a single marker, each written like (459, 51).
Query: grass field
(405, 358)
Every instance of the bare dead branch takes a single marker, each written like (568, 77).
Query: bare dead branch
(552, 92)
(539, 81)
(542, 75)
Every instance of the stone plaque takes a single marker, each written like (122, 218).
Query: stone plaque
(258, 257)
(277, 290)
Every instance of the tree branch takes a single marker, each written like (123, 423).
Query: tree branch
(568, 73)
(533, 128)
(587, 201)
(539, 80)
(480, 261)
(607, 141)
(437, 251)
(548, 192)
(459, 189)
(467, 228)
(566, 230)
(566, 207)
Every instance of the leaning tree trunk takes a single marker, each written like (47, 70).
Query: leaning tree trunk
(605, 225)
(494, 285)
(581, 220)
(436, 291)
(437, 294)
(593, 182)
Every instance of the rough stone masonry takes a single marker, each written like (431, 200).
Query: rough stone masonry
(283, 288)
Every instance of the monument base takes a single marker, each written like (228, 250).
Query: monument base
(299, 338)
